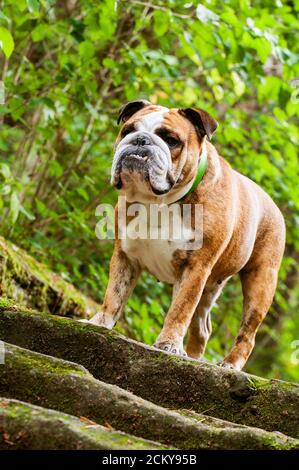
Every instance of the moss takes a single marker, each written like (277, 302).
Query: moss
(31, 427)
(258, 383)
(20, 358)
(6, 303)
(32, 284)
(283, 444)
(84, 396)
(166, 380)
(9, 305)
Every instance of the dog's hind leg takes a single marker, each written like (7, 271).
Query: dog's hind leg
(200, 327)
(258, 284)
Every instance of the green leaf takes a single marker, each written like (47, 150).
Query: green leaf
(161, 23)
(4, 17)
(5, 190)
(55, 169)
(6, 41)
(21, 5)
(263, 48)
(218, 92)
(280, 114)
(229, 16)
(188, 48)
(190, 96)
(41, 207)
(5, 170)
(40, 32)
(205, 15)
(239, 85)
(86, 50)
(14, 206)
(33, 6)
(268, 89)
(109, 63)
(83, 193)
(26, 213)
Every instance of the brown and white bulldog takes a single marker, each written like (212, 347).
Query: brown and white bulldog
(157, 154)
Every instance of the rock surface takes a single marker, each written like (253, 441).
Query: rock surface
(32, 284)
(24, 426)
(179, 402)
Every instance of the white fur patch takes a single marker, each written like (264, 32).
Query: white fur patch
(154, 255)
(152, 121)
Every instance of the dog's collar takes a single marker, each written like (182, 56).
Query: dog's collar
(202, 166)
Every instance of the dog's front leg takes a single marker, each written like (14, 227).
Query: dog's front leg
(123, 275)
(187, 295)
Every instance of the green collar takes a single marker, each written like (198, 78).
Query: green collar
(200, 172)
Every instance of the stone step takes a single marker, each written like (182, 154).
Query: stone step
(67, 387)
(159, 377)
(24, 426)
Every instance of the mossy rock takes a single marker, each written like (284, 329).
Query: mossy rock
(67, 387)
(161, 378)
(24, 426)
(30, 283)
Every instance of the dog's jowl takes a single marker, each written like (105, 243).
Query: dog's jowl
(164, 156)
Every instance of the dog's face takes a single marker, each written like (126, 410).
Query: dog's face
(157, 150)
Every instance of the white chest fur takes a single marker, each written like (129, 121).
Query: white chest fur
(155, 256)
(154, 249)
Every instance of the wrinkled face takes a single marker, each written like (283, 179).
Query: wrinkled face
(156, 155)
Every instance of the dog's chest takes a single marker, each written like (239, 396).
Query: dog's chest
(155, 256)
(154, 253)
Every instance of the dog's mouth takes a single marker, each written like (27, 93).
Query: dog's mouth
(129, 163)
(143, 157)
(142, 167)
(158, 192)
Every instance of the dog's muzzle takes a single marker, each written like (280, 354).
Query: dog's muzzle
(144, 156)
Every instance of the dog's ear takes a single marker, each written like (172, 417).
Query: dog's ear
(203, 122)
(127, 110)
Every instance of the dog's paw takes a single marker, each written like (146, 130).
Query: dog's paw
(99, 319)
(224, 364)
(227, 365)
(171, 348)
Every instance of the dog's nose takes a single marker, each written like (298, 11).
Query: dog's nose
(142, 140)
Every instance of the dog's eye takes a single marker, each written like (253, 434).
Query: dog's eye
(171, 141)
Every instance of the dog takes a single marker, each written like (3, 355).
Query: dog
(158, 153)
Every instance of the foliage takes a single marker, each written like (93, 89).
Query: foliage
(68, 65)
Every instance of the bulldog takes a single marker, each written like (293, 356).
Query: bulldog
(164, 156)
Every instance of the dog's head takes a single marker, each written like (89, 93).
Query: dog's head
(158, 149)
